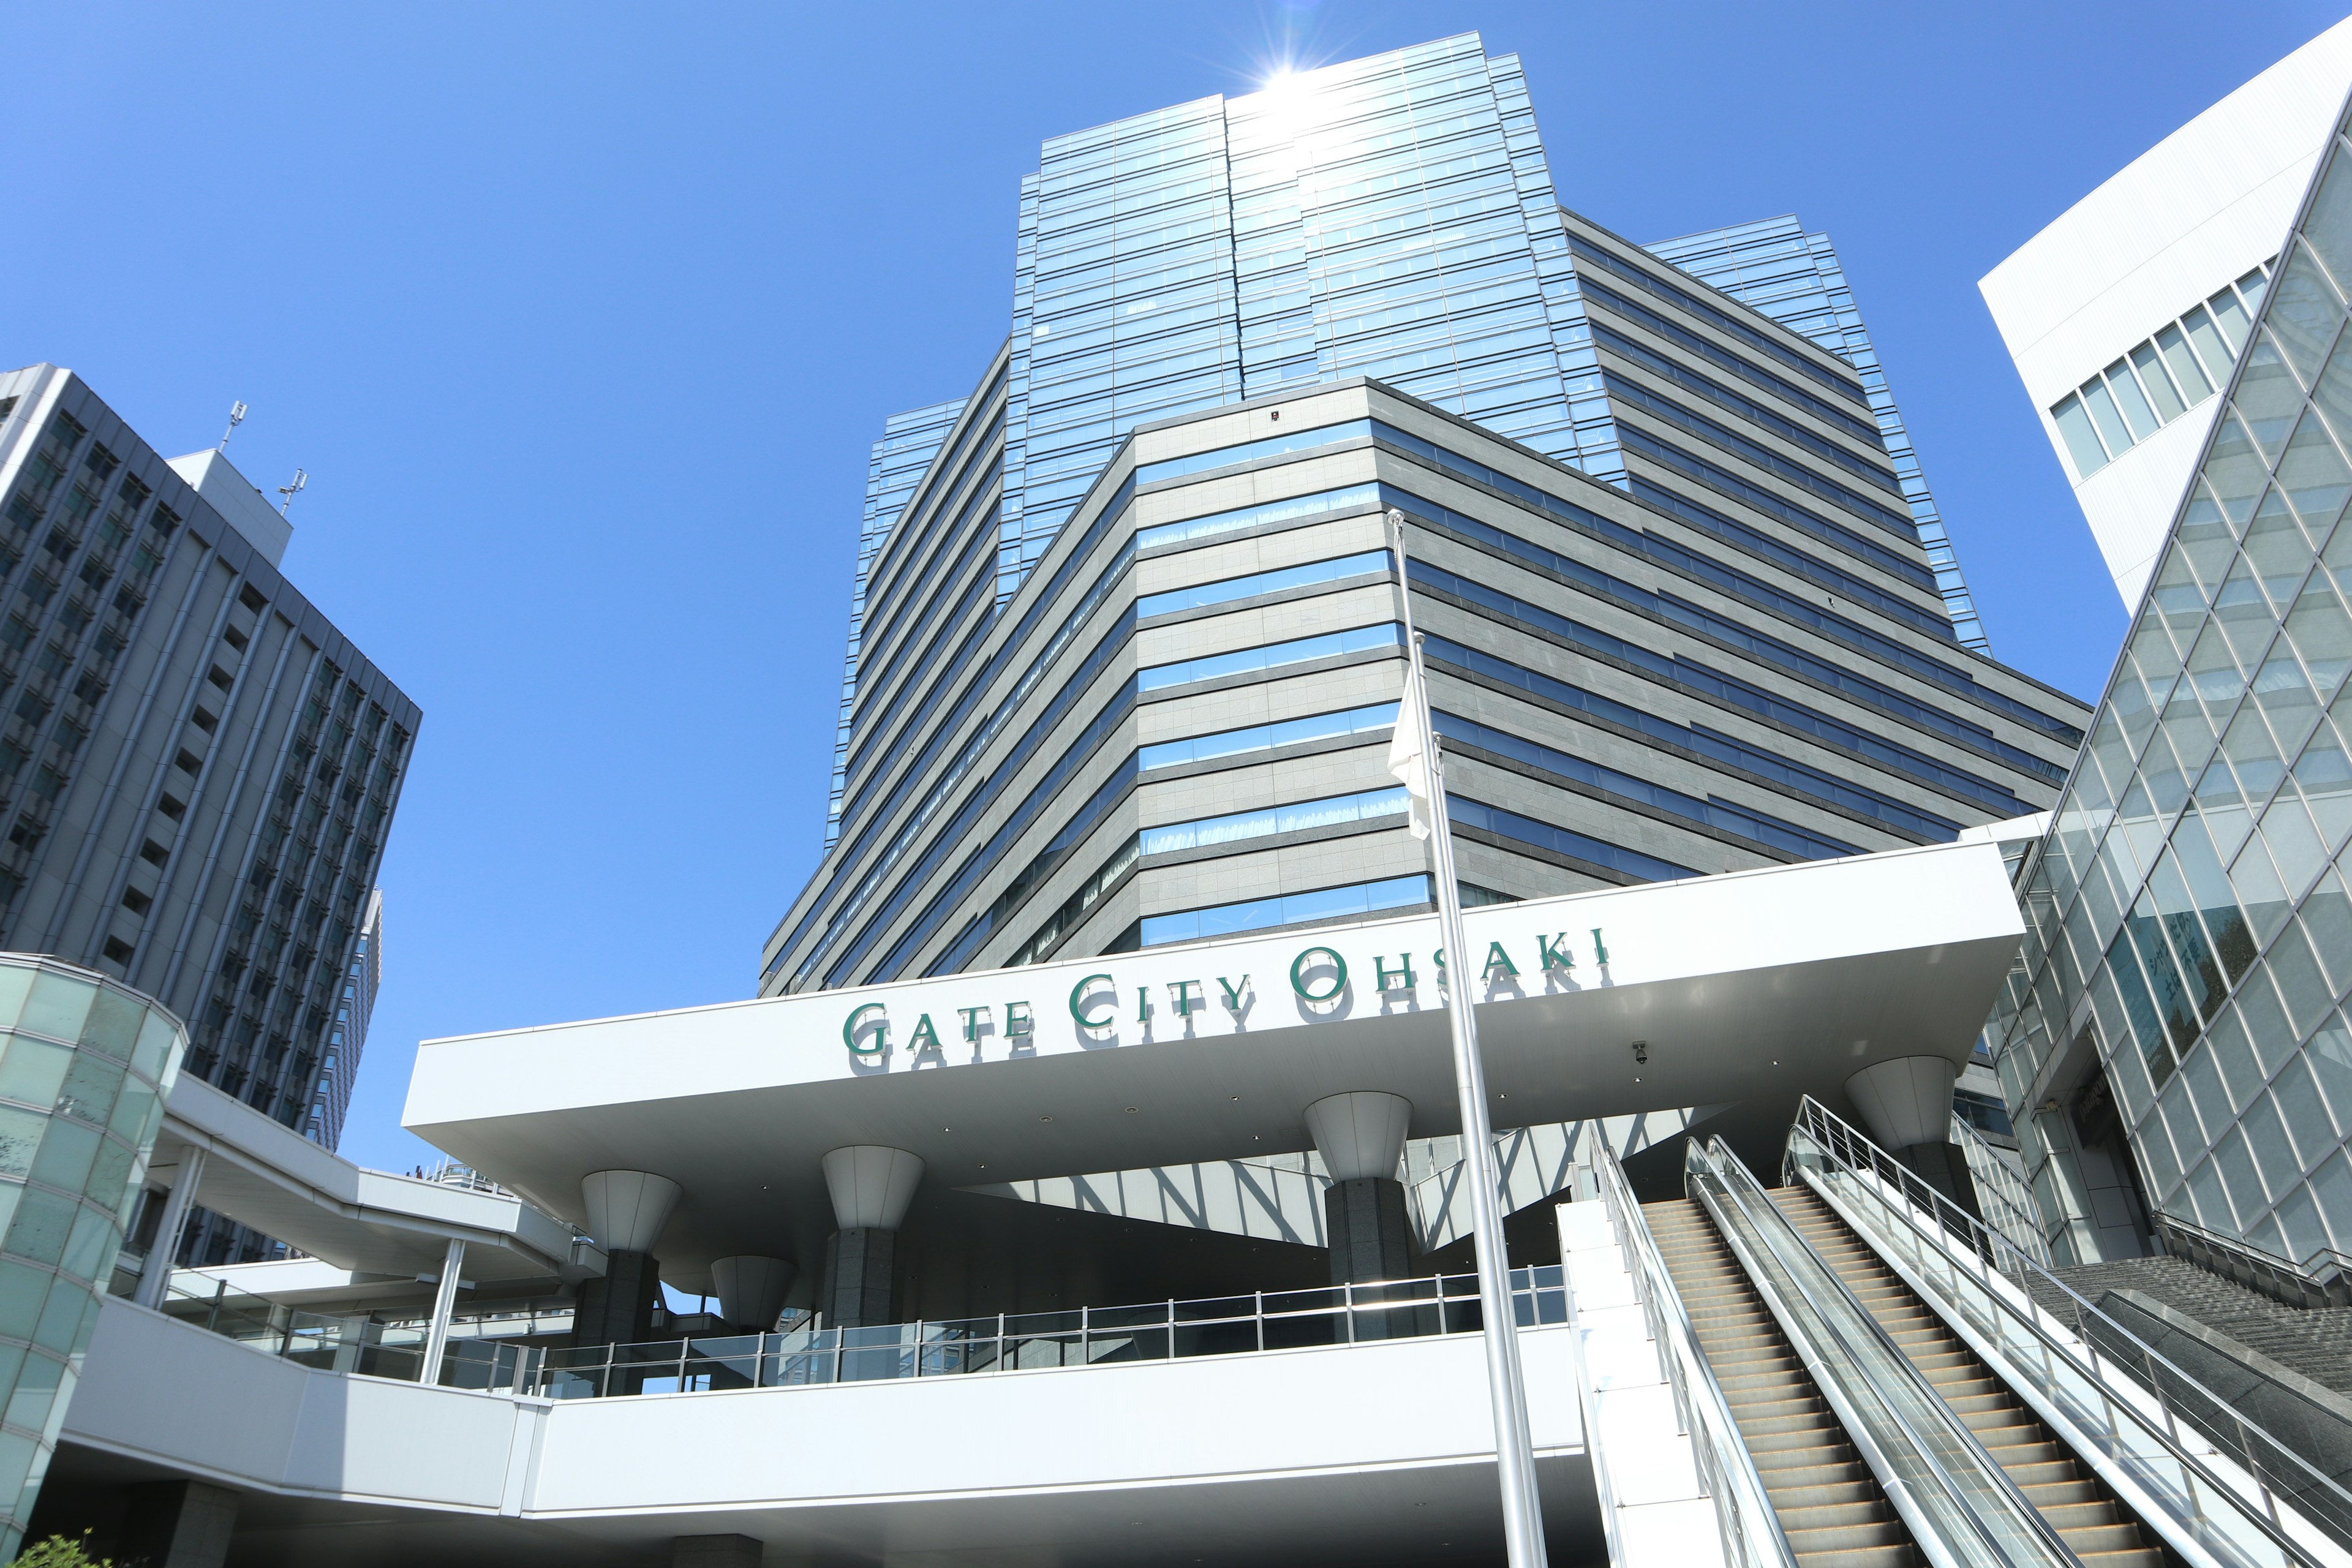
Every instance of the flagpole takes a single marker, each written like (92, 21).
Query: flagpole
(1507, 1392)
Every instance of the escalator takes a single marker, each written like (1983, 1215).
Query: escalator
(1830, 1508)
(2069, 1497)
(1897, 1395)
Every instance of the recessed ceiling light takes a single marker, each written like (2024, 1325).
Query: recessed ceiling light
(1045, 1118)
(1131, 1109)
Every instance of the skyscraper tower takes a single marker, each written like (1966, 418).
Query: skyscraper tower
(1796, 279)
(1126, 657)
(197, 771)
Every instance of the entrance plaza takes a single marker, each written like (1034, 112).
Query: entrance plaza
(1150, 1256)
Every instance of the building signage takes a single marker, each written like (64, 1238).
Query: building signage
(1319, 981)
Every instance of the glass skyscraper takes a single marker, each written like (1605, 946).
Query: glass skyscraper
(2174, 1028)
(1795, 278)
(1126, 643)
(909, 441)
(1391, 218)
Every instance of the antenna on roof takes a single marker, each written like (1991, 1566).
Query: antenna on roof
(235, 418)
(301, 477)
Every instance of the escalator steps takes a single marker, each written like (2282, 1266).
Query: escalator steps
(1829, 1504)
(2067, 1494)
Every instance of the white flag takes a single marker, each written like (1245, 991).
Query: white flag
(1406, 759)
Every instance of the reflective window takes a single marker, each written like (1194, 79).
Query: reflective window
(2159, 378)
(1292, 909)
(1368, 562)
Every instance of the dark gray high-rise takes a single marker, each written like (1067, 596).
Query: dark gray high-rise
(197, 771)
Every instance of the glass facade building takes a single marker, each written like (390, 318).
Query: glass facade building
(1127, 647)
(85, 1066)
(909, 441)
(1795, 278)
(347, 1042)
(2175, 1019)
(1391, 218)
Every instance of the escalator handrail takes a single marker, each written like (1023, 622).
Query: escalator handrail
(1985, 1247)
(1742, 1507)
(1960, 1533)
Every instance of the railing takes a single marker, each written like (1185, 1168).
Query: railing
(1020, 1342)
(1752, 1537)
(2002, 1193)
(2130, 1414)
(326, 1342)
(2322, 1279)
(1962, 1508)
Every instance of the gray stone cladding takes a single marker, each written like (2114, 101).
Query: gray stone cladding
(1742, 662)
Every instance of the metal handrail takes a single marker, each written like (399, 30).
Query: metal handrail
(1726, 1469)
(1368, 1312)
(2096, 1385)
(2011, 1193)
(1963, 1509)
(2324, 1278)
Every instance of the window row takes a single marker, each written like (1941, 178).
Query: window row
(2159, 378)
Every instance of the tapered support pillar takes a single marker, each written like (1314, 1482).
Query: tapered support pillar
(617, 1308)
(714, 1552)
(626, 1211)
(178, 1524)
(445, 1303)
(1369, 1230)
(1361, 1136)
(870, 1187)
(1906, 1105)
(751, 1290)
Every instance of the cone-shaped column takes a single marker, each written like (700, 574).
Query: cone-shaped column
(1907, 1104)
(751, 1290)
(871, 1187)
(626, 1211)
(1361, 1136)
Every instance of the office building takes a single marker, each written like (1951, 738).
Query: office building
(197, 771)
(1125, 659)
(2174, 1022)
(2127, 315)
(347, 1040)
(1796, 279)
(1112, 1210)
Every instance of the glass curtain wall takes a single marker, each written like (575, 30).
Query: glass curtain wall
(899, 459)
(2189, 955)
(1795, 278)
(1391, 217)
(85, 1066)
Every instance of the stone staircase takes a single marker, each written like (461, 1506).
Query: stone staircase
(2315, 1343)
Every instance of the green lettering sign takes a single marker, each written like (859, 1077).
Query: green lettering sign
(880, 1037)
(1079, 1005)
(1298, 975)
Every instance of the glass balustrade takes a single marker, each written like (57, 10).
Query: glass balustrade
(1024, 1341)
(1016, 1341)
(2215, 1486)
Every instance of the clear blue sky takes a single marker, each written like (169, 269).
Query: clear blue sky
(581, 318)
